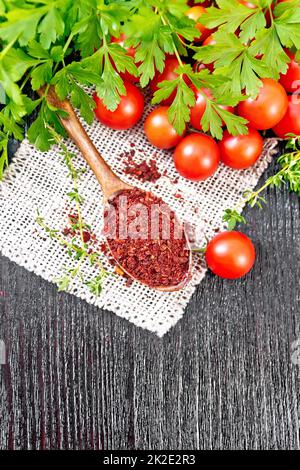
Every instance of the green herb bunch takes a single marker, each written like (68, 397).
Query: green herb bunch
(68, 45)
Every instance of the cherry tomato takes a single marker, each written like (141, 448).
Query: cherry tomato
(128, 112)
(198, 110)
(268, 108)
(230, 255)
(197, 157)
(168, 73)
(159, 131)
(195, 14)
(291, 79)
(131, 52)
(241, 151)
(290, 124)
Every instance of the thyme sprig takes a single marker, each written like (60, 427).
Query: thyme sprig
(78, 251)
(287, 175)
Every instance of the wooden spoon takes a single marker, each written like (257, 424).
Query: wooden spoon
(110, 183)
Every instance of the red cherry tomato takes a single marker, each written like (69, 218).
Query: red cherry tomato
(198, 110)
(230, 255)
(197, 157)
(168, 73)
(131, 52)
(128, 112)
(159, 131)
(241, 151)
(290, 124)
(291, 79)
(268, 108)
(195, 14)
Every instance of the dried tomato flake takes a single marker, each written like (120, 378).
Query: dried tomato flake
(146, 239)
(86, 236)
(143, 171)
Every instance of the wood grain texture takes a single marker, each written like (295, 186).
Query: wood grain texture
(81, 378)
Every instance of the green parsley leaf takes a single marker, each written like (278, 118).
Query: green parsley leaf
(121, 59)
(90, 35)
(11, 88)
(83, 102)
(21, 24)
(152, 58)
(51, 27)
(232, 15)
(16, 63)
(39, 135)
(11, 127)
(35, 49)
(41, 75)
(268, 45)
(62, 84)
(179, 111)
(165, 89)
(83, 75)
(111, 87)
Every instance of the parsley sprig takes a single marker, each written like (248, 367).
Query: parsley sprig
(250, 42)
(61, 43)
(68, 44)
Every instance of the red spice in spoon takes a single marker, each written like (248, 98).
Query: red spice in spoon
(146, 239)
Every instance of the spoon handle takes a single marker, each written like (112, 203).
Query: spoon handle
(109, 181)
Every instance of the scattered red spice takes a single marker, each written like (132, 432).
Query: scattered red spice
(67, 231)
(86, 236)
(94, 245)
(157, 261)
(173, 181)
(73, 230)
(129, 282)
(143, 171)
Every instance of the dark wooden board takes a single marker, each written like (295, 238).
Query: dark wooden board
(223, 378)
